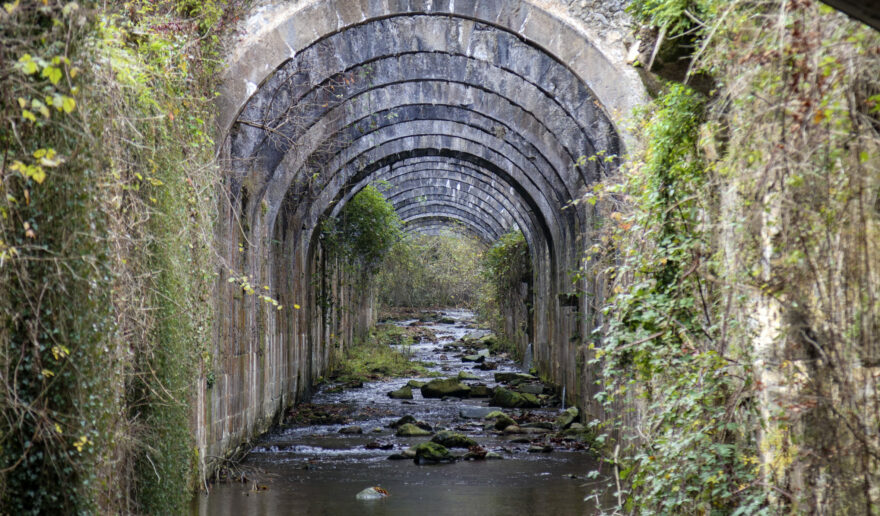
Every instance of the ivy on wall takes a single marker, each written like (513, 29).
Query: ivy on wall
(741, 239)
(107, 199)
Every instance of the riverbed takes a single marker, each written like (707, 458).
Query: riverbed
(314, 469)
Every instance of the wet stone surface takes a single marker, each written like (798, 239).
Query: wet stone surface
(338, 445)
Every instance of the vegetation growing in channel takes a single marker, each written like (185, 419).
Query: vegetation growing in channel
(105, 262)
(431, 271)
(504, 297)
(374, 358)
(748, 202)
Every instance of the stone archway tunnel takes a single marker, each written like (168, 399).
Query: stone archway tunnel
(475, 114)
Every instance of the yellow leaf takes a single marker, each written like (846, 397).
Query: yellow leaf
(22, 103)
(47, 373)
(296, 306)
(68, 104)
(58, 428)
(28, 115)
(11, 7)
(28, 66)
(53, 73)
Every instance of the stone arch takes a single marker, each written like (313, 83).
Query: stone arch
(473, 111)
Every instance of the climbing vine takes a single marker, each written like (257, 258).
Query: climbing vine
(105, 250)
(731, 321)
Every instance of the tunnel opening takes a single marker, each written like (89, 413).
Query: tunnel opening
(476, 119)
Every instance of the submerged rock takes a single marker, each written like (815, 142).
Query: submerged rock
(538, 448)
(451, 439)
(445, 387)
(372, 493)
(509, 399)
(404, 393)
(431, 453)
(411, 430)
(351, 430)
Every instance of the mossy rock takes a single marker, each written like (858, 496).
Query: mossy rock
(411, 430)
(481, 391)
(451, 439)
(568, 417)
(404, 393)
(464, 375)
(402, 421)
(431, 453)
(509, 399)
(445, 387)
(415, 384)
(502, 420)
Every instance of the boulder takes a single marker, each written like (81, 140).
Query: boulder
(411, 430)
(502, 420)
(490, 341)
(431, 453)
(404, 393)
(415, 384)
(480, 391)
(493, 456)
(351, 430)
(445, 387)
(568, 417)
(402, 421)
(450, 439)
(473, 358)
(483, 353)
(509, 399)
(538, 448)
(446, 320)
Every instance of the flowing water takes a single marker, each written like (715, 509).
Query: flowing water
(315, 470)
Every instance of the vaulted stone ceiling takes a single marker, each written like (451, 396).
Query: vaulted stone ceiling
(472, 113)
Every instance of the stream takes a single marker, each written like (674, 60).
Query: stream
(313, 469)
